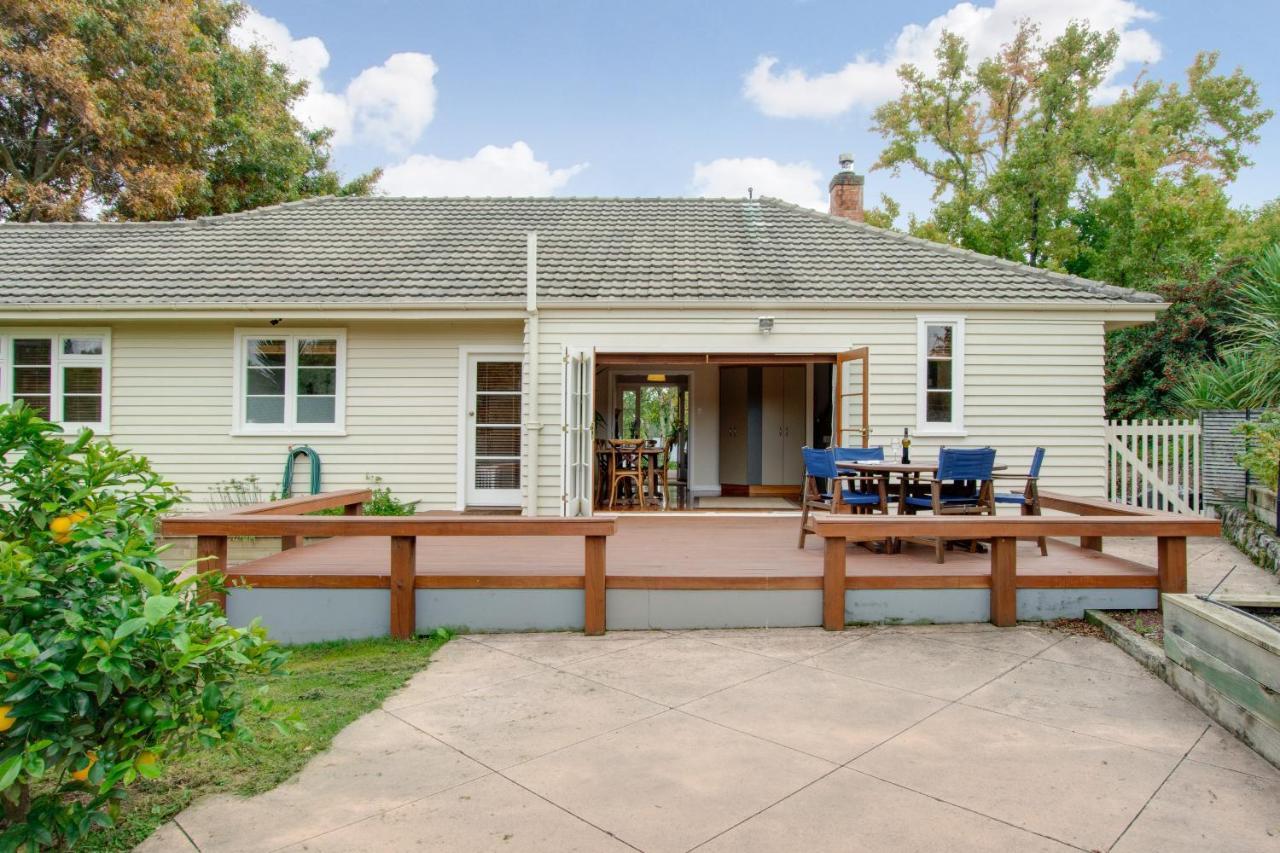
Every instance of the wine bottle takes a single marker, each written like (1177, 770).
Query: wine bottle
(906, 447)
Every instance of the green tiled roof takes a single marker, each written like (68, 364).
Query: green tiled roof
(422, 251)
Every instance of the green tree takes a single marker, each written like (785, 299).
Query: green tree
(1246, 372)
(110, 663)
(1028, 164)
(1147, 364)
(146, 109)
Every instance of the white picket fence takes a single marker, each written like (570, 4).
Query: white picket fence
(1154, 464)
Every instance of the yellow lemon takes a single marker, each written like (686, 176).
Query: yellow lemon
(61, 525)
(6, 722)
(147, 758)
(79, 516)
(83, 774)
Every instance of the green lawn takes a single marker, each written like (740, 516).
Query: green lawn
(330, 684)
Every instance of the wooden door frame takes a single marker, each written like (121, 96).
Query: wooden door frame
(837, 407)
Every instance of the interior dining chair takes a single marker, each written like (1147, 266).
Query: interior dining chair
(968, 472)
(821, 465)
(625, 465)
(1029, 498)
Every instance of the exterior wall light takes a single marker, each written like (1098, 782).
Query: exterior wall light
(765, 324)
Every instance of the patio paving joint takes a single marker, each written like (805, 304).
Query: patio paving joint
(1159, 787)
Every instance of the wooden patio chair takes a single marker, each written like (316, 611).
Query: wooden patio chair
(821, 465)
(625, 464)
(968, 471)
(1029, 498)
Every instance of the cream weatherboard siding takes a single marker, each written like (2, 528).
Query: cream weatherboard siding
(1032, 376)
(172, 401)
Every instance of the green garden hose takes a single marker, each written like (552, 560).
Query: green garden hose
(286, 484)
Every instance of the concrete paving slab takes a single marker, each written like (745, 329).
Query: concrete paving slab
(513, 722)
(1020, 640)
(488, 815)
(791, 644)
(918, 663)
(1222, 749)
(375, 764)
(1208, 808)
(822, 713)
(1030, 775)
(1093, 653)
(459, 666)
(854, 813)
(674, 670)
(566, 650)
(1096, 702)
(670, 782)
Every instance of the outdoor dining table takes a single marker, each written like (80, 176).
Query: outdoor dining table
(909, 475)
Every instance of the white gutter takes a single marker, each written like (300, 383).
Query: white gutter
(533, 427)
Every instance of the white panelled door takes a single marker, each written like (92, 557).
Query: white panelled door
(578, 450)
(494, 407)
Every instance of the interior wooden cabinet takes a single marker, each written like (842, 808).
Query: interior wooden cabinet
(763, 411)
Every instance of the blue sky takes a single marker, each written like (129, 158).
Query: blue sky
(570, 97)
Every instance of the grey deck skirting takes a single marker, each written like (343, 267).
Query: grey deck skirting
(311, 615)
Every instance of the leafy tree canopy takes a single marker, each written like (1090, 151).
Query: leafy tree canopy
(145, 109)
(1029, 163)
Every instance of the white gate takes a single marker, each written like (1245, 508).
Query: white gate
(579, 431)
(1154, 464)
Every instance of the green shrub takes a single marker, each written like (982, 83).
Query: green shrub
(383, 501)
(1261, 457)
(110, 662)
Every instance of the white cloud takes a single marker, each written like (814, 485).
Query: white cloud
(388, 105)
(491, 171)
(866, 81)
(729, 177)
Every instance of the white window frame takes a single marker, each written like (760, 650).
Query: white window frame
(56, 335)
(290, 426)
(956, 425)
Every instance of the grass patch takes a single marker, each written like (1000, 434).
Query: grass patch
(330, 684)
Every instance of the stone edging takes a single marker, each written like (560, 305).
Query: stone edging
(1139, 648)
(1256, 540)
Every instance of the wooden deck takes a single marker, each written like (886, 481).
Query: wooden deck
(679, 551)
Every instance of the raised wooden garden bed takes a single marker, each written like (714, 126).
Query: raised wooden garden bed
(1228, 663)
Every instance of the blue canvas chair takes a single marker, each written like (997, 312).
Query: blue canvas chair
(821, 465)
(967, 472)
(1029, 498)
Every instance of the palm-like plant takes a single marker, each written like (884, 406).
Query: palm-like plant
(1246, 376)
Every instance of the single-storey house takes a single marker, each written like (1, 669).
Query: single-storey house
(469, 350)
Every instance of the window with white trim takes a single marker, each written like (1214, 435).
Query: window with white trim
(940, 380)
(290, 382)
(63, 375)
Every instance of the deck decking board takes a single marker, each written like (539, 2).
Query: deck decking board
(679, 551)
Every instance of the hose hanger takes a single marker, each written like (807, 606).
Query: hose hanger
(286, 483)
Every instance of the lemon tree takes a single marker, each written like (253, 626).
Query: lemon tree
(109, 662)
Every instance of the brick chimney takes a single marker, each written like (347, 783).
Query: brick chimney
(846, 192)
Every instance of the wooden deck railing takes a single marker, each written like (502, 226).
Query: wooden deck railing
(1098, 521)
(284, 519)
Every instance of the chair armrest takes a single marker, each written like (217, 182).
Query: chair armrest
(1022, 477)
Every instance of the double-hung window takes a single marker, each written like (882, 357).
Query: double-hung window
(63, 375)
(940, 379)
(290, 383)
